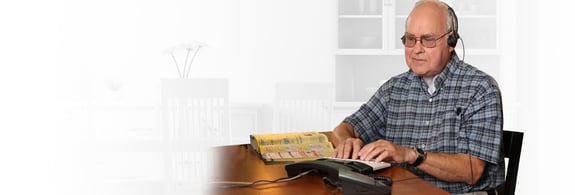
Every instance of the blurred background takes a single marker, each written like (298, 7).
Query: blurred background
(83, 82)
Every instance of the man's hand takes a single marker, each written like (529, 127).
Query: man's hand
(347, 147)
(383, 150)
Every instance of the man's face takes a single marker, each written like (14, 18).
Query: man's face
(427, 21)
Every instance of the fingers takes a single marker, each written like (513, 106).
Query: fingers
(378, 151)
(343, 150)
(348, 148)
(338, 150)
(365, 151)
(384, 156)
(370, 152)
(356, 148)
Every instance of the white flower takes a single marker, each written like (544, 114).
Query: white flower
(189, 50)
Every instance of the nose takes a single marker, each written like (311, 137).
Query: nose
(418, 47)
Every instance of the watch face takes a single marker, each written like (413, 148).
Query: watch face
(419, 151)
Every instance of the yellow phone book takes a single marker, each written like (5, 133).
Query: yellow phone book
(291, 147)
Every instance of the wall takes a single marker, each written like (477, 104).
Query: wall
(253, 43)
(548, 87)
(66, 63)
(59, 56)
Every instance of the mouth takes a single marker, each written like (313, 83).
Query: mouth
(418, 59)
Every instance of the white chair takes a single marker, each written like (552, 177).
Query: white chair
(195, 116)
(303, 107)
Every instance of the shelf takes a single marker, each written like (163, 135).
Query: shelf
(369, 50)
(479, 52)
(363, 7)
(395, 52)
(459, 16)
(360, 52)
(360, 16)
(360, 34)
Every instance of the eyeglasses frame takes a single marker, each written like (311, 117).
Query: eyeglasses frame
(420, 40)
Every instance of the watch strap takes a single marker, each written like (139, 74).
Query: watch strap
(421, 155)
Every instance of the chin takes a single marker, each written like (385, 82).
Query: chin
(418, 68)
(420, 72)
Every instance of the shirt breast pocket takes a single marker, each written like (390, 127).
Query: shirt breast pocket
(451, 132)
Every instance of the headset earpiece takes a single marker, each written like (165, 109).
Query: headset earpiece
(454, 36)
(452, 39)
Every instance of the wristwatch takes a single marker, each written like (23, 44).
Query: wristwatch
(421, 155)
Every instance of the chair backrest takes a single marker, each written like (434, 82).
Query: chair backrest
(303, 107)
(512, 142)
(195, 116)
(195, 109)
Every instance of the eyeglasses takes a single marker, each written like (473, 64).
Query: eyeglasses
(425, 40)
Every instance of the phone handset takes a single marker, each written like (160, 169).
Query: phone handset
(353, 183)
(351, 176)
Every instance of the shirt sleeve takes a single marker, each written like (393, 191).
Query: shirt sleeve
(482, 123)
(369, 119)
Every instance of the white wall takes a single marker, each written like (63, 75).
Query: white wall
(59, 59)
(56, 56)
(554, 109)
(253, 43)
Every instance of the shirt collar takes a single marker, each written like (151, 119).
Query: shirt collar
(447, 72)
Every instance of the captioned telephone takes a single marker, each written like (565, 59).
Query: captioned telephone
(351, 176)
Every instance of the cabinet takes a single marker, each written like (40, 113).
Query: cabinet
(369, 50)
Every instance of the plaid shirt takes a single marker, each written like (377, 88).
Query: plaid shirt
(464, 115)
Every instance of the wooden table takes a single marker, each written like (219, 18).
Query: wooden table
(241, 163)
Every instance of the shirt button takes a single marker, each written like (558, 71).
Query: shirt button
(426, 122)
(430, 99)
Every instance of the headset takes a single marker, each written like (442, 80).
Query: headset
(452, 42)
(452, 39)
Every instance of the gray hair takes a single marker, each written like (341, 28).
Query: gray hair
(450, 18)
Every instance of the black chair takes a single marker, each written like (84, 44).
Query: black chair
(512, 142)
